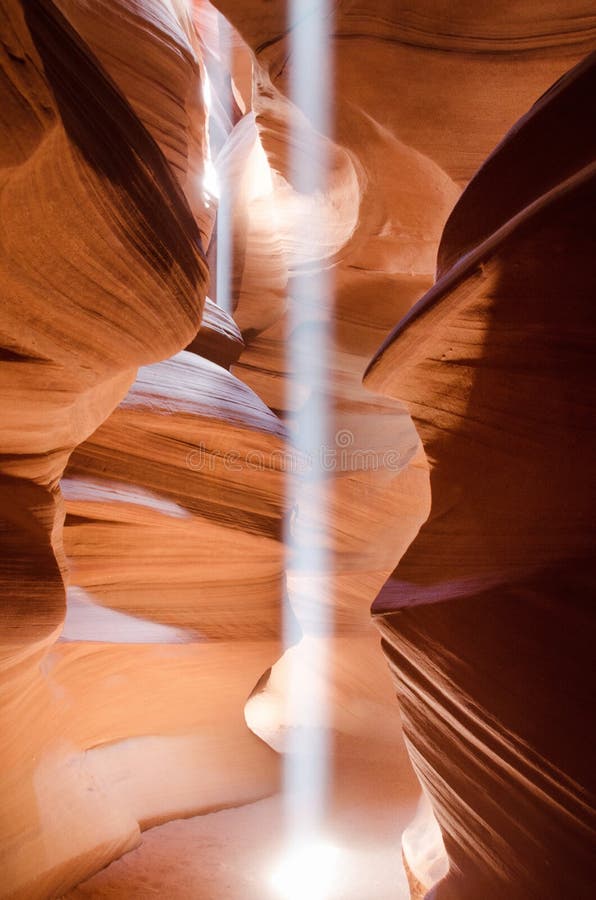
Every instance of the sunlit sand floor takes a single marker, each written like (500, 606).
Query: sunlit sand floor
(235, 854)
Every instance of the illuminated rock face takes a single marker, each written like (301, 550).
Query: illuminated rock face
(176, 493)
(102, 271)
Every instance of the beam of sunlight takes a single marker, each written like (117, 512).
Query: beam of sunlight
(223, 225)
(210, 179)
(307, 872)
(308, 860)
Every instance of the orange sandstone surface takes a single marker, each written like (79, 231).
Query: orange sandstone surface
(150, 470)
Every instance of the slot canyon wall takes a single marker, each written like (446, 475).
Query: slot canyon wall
(487, 621)
(143, 568)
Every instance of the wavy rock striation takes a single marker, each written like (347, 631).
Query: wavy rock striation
(102, 271)
(125, 707)
(485, 620)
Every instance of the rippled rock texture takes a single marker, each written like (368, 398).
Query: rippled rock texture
(486, 621)
(103, 270)
(148, 469)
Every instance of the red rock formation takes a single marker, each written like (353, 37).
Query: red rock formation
(218, 338)
(102, 270)
(127, 709)
(485, 620)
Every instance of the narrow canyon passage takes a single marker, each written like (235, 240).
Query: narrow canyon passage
(296, 366)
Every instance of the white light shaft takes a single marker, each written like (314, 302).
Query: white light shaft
(306, 765)
(225, 257)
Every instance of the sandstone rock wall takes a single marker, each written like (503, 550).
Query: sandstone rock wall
(486, 619)
(124, 707)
